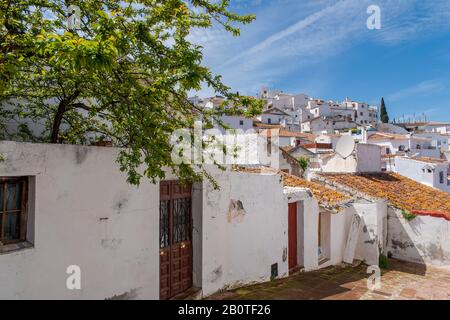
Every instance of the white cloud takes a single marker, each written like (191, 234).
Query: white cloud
(289, 35)
(420, 89)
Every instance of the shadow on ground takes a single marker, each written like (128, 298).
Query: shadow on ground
(400, 281)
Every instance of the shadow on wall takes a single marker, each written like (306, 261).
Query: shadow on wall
(403, 242)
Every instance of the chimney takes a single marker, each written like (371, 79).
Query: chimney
(364, 134)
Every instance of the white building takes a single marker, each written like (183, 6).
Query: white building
(428, 171)
(225, 122)
(393, 144)
(438, 140)
(77, 213)
(365, 158)
(364, 114)
(275, 116)
(426, 126)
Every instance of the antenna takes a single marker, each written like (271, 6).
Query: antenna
(345, 146)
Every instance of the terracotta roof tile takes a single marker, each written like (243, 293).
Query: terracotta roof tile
(326, 197)
(401, 192)
(286, 133)
(388, 136)
(430, 160)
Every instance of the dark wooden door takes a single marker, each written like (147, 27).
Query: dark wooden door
(175, 238)
(292, 235)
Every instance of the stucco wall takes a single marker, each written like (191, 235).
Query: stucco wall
(368, 157)
(244, 230)
(85, 214)
(418, 171)
(424, 239)
(373, 236)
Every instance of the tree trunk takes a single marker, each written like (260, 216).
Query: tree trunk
(57, 120)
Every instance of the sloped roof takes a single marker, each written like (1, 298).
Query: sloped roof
(275, 111)
(388, 136)
(327, 197)
(395, 136)
(401, 192)
(430, 160)
(286, 133)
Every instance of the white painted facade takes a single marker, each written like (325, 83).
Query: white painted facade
(275, 116)
(235, 122)
(77, 216)
(431, 174)
(423, 240)
(234, 251)
(366, 158)
(415, 146)
(82, 212)
(438, 140)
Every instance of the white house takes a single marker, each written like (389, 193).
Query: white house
(438, 140)
(440, 127)
(235, 122)
(257, 227)
(426, 126)
(418, 225)
(428, 171)
(74, 215)
(364, 114)
(275, 116)
(365, 158)
(403, 143)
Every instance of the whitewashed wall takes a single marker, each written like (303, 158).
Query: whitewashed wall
(424, 239)
(372, 240)
(414, 169)
(234, 122)
(239, 246)
(367, 158)
(85, 214)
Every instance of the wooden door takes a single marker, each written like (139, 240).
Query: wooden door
(175, 235)
(292, 236)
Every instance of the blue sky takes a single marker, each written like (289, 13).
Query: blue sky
(324, 49)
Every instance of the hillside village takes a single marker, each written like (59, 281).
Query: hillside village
(310, 128)
(347, 188)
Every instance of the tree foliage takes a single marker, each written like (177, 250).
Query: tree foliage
(383, 112)
(122, 76)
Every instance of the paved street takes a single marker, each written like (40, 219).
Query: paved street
(401, 281)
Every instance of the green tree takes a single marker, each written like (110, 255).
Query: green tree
(383, 112)
(304, 163)
(122, 75)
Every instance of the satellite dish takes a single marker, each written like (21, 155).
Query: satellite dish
(345, 146)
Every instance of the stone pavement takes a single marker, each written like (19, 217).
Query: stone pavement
(400, 281)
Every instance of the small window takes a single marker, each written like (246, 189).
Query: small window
(418, 147)
(388, 151)
(13, 210)
(441, 177)
(241, 122)
(401, 148)
(269, 121)
(361, 113)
